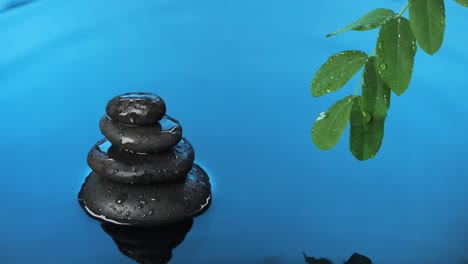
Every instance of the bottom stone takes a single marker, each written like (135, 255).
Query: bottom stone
(146, 204)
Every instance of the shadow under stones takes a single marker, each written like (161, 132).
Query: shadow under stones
(148, 245)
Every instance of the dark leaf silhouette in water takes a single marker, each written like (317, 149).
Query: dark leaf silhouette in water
(312, 260)
(358, 259)
(14, 4)
(354, 259)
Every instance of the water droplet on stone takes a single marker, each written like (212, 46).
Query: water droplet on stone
(187, 202)
(121, 198)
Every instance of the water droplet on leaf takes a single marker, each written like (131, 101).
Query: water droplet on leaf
(383, 66)
(322, 116)
(381, 46)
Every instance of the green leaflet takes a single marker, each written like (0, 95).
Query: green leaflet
(368, 114)
(365, 138)
(371, 20)
(329, 126)
(462, 2)
(375, 94)
(427, 18)
(396, 47)
(337, 71)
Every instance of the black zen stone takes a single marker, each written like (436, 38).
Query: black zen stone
(146, 204)
(119, 164)
(139, 109)
(156, 138)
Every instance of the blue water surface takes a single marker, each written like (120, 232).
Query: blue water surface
(237, 75)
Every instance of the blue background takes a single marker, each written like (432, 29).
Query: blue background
(236, 74)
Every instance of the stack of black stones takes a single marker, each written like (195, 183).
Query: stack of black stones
(143, 171)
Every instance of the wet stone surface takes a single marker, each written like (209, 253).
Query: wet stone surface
(146, 204)
(139, 109)
(143, 175)
(156, 138)
(119, 164)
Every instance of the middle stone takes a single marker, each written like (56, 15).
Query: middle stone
(143, 139)
(115, 163)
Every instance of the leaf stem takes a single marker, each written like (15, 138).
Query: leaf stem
(362, 74)
(359, 83)
(403, 10)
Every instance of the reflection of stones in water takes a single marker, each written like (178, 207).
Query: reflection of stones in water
(149, 245)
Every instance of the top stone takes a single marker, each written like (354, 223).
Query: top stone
(138, 109)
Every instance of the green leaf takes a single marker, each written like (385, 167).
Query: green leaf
(371, 20)
(337, 71)
(462, 2)
(427, 19)
(375, 94)
(396, 47)
(365, 137)
(329, 126)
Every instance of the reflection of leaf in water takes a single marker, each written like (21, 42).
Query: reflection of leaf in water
(312, 260)
(354, 259)
(14, 4)
(358, 259)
